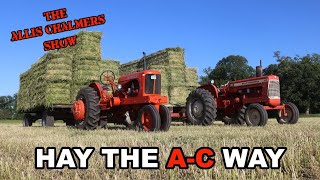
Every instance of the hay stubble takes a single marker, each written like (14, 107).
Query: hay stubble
(302, 159)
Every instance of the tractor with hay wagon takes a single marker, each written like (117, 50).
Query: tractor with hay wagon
(135, 101)
(240, 102)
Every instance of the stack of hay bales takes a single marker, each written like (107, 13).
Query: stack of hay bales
(57, 77)
(47, 82)
(192, 77)
(87, 62)
(177, 80)
(87, 71)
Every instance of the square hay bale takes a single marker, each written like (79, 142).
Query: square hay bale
(88, 46)
(46, 82)
(110, 65)
(178, 95)
(86, 71)
(166, 57)
(165, 91)
(191, 77)
(176, 75)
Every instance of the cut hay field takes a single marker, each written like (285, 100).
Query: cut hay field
(301, 161)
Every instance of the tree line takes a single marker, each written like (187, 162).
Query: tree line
(299, 77)
(8, 107)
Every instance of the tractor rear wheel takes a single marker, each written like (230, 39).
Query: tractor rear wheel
(149, 118)
(200, 108)
(256, 115)
(292, 114)
(27, 120)
(47, 119)
(92, 108)
(165, 117)
(234, 120)
(240, 120)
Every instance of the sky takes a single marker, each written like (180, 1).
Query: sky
(208, 30)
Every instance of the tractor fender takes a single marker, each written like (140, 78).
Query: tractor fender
(98, 88)
(211, 88)
(105, 99)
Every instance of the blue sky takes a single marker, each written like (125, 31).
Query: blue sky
(208, 30)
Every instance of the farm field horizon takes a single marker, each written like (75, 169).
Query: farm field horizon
(301, 160)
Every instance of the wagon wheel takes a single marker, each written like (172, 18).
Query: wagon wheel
(149, 118)
(27, 120)
(47, 119)
(292, 114)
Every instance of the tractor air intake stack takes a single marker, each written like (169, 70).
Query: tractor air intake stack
(259, 70)
(144, 61)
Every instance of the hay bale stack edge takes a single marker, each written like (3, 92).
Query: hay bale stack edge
(58, 75)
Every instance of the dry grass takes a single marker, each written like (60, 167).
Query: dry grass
(302, 159)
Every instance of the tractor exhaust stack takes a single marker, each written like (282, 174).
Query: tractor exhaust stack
(144, 61)
(259, 70)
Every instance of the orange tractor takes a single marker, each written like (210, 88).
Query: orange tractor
(135, 101)
(240, 102)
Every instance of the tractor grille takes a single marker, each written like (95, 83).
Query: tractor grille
(153, 85)
(274, 89)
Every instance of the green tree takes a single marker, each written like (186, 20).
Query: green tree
(7, 104)
(230, 68)
(8, 107)
(299, 80)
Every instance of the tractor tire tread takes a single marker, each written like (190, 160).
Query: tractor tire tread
(264, 114)
(165, 117)
(154, 113)
(93, 111)
(209, 107)
(295, 115)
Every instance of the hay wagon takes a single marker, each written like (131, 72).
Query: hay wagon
(49, 115)
(49, 88)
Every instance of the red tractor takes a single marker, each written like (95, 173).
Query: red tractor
(239, 102)
(135, 101)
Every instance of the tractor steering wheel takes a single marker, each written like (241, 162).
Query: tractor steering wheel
(106, 77)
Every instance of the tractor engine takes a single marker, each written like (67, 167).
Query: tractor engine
(264, 90)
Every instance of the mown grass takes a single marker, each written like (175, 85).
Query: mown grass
(302, 159)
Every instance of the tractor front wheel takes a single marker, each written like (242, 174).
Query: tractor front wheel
(91, 107)
(200, 108)
(292, 114)
(256, 115)
(165, 116)
(149, 118)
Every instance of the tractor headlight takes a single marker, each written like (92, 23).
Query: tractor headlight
(119, 86)
(212, 82)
